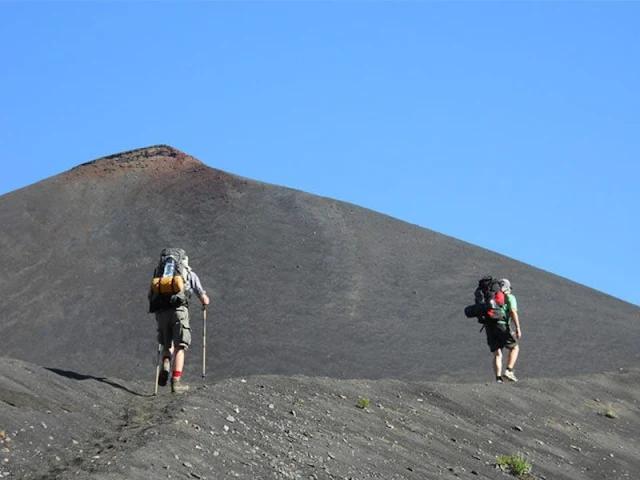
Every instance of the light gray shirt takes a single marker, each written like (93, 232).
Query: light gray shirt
(195, 285)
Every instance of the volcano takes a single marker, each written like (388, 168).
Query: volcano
(318, 307)
(300, 284)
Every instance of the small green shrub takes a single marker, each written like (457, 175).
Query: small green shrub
(516, 465)
(363, 402)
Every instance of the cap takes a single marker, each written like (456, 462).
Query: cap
(505, 284)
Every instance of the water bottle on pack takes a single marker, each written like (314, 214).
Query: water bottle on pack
(169, 268)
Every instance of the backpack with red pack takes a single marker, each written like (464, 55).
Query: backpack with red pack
(489, 300)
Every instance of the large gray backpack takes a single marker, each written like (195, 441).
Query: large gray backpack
(170, 284)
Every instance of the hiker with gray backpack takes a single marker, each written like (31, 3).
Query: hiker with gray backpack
(173, 284)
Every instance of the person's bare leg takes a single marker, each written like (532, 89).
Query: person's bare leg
(167, 355)
(176, 381)
(512, 357)
(164, 373)
(497, 362)
(178, 361)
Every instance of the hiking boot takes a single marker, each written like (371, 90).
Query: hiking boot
(164, 373)
(509, 375)
(177, 386)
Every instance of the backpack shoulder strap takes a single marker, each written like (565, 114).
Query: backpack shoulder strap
(184, 271)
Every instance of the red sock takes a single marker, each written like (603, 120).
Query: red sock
(177, 374)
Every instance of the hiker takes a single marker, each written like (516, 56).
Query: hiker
(500, 335)
(170, 303)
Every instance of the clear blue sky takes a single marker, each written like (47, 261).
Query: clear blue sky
(514, 126)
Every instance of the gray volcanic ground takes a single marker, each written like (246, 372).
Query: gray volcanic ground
(316, 304)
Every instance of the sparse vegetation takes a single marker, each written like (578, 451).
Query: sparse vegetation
(363, 402)
(607, 411)
(514, 464)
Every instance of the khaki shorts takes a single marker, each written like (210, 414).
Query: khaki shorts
(173, 327)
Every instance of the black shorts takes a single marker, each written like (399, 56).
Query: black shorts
(499, 336)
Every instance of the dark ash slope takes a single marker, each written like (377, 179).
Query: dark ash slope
(57, 425)
(300, 284)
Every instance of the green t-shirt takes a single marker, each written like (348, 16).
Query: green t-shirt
(510, 303)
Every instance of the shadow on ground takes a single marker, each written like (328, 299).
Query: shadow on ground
(80, 377)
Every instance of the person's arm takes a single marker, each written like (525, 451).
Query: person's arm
(516, 321)
(196, 286)
(512, 305)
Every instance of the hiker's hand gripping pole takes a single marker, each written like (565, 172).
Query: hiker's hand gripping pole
(204, 340)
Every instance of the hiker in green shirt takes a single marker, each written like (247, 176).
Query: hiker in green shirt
(501, 334)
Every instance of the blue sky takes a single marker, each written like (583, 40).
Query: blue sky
(514, 126)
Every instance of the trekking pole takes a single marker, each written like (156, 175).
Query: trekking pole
(155, 388)
(204, 340)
